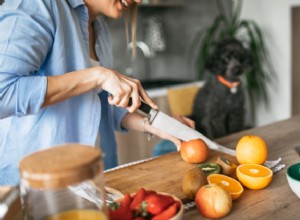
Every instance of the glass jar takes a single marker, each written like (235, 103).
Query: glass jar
(63, 183)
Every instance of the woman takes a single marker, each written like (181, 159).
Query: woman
(49, 85)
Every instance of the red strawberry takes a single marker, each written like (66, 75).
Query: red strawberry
(139, 198)
(156, 203)
(168, 213)
(126, 201)
(121, 210)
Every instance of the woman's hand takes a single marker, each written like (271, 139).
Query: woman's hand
(184, 120)
(122, 88)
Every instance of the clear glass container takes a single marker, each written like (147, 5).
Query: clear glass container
(63, 183)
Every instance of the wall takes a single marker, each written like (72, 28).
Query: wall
(180, 24)
(274, 17)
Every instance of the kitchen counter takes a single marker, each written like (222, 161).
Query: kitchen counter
(165, 174)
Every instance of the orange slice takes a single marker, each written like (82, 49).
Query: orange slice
(254, 176)
(232, 186)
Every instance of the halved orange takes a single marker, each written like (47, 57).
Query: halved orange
(232, 186)
(254, 176)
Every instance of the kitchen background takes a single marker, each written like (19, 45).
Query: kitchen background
(180, 20)
(172, 24)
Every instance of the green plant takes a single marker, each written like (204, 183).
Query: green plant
(247, 31)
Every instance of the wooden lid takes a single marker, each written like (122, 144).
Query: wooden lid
(60, 166)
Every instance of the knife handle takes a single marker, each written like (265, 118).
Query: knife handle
(143, 107)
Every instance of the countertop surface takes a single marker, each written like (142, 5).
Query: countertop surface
(165, 174)
(277, 201)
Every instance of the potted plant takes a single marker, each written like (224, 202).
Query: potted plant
(249, 33)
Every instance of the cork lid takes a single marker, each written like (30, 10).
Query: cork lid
(60, 166)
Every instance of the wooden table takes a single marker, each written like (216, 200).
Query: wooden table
(165, 174)
(277, 201)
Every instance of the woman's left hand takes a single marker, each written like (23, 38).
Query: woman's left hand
(185, 120)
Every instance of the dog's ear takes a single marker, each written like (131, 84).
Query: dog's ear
(214, 63)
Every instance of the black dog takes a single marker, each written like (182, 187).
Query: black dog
(219, 105)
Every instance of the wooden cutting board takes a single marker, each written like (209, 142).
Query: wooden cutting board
(163, 174)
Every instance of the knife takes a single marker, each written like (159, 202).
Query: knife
(177, 129)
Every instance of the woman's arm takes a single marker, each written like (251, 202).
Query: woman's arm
(135, 121)
(121, 88)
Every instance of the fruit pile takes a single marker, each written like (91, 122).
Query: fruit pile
(144, 205)
(213, 185)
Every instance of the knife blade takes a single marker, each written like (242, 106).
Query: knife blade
(179, 130)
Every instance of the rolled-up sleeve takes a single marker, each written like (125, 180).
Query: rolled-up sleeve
(24, 44)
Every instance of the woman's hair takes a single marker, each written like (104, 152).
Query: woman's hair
(132, 17)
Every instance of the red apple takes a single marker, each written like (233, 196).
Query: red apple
(213, 201)
(194, 151)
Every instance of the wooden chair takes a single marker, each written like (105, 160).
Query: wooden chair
(181, 99)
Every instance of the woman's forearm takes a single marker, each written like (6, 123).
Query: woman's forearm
(121, 87)
(62, 87)
(135, 121)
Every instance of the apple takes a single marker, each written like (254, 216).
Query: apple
(212, 201)
(194, 151)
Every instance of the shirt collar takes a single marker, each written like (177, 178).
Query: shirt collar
(76, 3)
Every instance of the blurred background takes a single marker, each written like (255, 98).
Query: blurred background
(168, 53)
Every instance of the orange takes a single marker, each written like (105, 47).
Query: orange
(232, 186)
(251, 149)
(254, 176)
(194, 151)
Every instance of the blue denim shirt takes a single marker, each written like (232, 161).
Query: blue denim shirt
(47, 38)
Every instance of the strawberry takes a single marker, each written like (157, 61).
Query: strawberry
(156, 203)
(121, 210)
(137, 199)
(126, 201)
(168, 213)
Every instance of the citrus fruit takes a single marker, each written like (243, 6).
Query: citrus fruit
(251, 149)
(232, 186)
(209, 168)
(254, 176)
(228, 167)
(194, 151)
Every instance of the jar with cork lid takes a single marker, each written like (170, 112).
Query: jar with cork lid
(63, 182)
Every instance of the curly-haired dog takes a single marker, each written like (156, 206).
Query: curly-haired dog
(219, 105)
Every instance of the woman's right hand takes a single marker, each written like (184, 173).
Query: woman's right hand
(122, 88)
